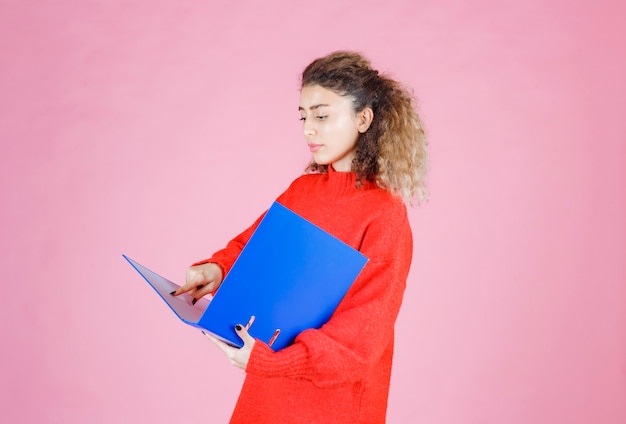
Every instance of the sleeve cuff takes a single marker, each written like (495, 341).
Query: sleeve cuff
(264, 362)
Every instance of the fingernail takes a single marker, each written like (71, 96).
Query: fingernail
(172, 293)
(238, 327)
(193, 301)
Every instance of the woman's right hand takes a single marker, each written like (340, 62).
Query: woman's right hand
(201, 280)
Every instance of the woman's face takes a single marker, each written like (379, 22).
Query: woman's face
(331, 127)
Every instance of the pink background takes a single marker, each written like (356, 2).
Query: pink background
(160, 129)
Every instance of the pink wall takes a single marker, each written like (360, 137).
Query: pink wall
(161, 128)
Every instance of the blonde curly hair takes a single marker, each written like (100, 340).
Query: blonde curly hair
(393, 151)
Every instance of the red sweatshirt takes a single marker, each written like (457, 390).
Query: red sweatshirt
(339, 373)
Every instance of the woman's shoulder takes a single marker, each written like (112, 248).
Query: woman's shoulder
(388, 206)
(384, 200)
(304, 182)
(308, 178)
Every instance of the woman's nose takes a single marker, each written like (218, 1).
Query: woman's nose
(308, 128)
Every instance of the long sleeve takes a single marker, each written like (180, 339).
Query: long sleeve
(226, 257)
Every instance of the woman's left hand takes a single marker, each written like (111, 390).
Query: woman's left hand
(237, 356)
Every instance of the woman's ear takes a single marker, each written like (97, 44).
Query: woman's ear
(365, 118)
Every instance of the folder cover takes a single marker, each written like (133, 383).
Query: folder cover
(289, 277)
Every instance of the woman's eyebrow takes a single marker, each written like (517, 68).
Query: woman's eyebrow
(314, 106)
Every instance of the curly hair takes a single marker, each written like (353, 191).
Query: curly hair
(393, 151)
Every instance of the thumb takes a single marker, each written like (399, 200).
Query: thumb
(243, 334)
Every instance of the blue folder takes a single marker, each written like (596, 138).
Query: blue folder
(289, 277)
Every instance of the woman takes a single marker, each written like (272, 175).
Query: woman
(369, 161)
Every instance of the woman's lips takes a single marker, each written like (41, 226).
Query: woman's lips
(314, 147)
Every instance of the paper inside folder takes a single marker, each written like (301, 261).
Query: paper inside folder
(181, 304)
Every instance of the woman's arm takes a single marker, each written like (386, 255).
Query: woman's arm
(205, 276)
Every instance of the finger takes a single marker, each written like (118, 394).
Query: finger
(202, 290)
(243, 334)
(195, 280)
(184, 289)
(223, 346)
(237, 356)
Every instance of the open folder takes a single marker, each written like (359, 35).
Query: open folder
(289, 277)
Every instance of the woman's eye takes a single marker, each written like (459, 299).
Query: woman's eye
(318, 117)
